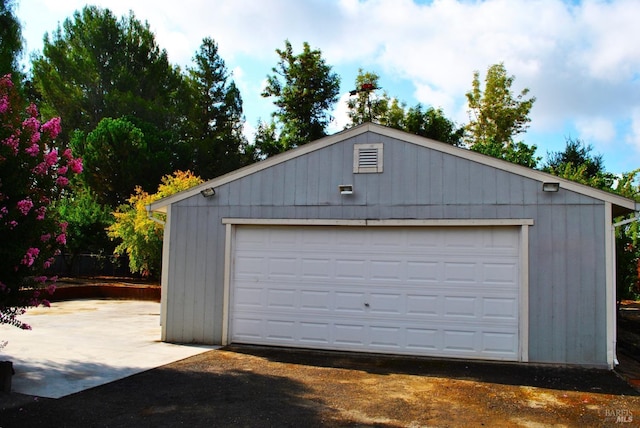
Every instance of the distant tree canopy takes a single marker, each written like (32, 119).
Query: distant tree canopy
(216, 144)
(365, 105)
(116, 160)
(10, 39)
(132, 115)
(497, 116)
(304, 89)
(98, 66)
(577, 162)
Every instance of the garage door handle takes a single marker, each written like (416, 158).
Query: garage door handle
(366, 305)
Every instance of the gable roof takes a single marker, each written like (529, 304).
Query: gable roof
(621, 205)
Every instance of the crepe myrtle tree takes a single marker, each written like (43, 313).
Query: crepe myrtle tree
(34, 172)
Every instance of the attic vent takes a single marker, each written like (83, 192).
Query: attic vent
(367, 158)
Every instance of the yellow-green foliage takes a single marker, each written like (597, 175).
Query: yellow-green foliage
(141, 237)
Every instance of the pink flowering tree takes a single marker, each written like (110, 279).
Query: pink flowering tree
(34, 172)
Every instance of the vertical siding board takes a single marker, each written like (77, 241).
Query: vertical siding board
(212, 282)
(449, 180)
(462, 193)
(577, 291)
(559, 287)
(217, 304)
(591, 321)
(245, 192)
(339, 173)
(234, 189)
(413, 177)
(312, 177)
(394, 174)
(502, 186)
(382, 192)
(530, 191)
(539, 284)
(516, 190)
(179, 215)
(423, 160)
(489, 186)
(436, 179)
(173, 282)
(599, 320)
(301, 180)
(476, 180)
(262, 189)
(190, 295)
(222, 195)
(289, 183)
(200, 267)
(277, 185)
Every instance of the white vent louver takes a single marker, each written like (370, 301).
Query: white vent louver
(367, 158)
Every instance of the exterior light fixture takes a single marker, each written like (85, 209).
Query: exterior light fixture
(208, 192)
(550, 187)
(346, 189)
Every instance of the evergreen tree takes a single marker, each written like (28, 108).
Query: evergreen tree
(215, 137)
(304, 89)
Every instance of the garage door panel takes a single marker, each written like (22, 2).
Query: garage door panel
(350, 289)
(460, 306)
(386, 303)
(350, 269)
(350, 302)
(423, 340)
(422, 271)
(281, 299)
(316, 300)
(349, 336)
(248, 297)
(315, 268)
(499, 343)
(500, 273)
(502, 308)
(315, 333)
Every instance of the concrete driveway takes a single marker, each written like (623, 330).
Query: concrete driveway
(80, 344)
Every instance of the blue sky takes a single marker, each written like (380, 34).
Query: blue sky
(581, 60)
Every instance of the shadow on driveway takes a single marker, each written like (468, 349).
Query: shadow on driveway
(175, 396)
(248, 386)
(538, 376)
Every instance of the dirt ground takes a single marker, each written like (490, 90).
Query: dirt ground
(243, 386)
(259, 386)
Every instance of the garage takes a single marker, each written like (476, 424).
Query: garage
(376, 240)
(437, 291)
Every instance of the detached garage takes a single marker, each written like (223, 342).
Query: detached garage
(375, 240)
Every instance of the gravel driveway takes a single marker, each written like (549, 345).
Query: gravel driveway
(258, 386)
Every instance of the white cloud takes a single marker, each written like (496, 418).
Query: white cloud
(633, 138)
(597, 129)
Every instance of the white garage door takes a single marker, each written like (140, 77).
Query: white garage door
(437, 291)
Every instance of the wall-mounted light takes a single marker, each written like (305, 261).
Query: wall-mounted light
(208, 192)
(550, 187)
(346, 189)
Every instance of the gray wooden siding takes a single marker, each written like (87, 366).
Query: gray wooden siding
(566, 253)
